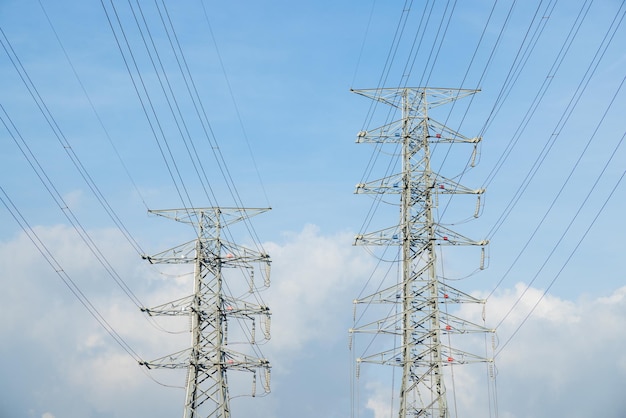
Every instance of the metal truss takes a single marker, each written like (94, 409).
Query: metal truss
(419, 320)
(210, 309)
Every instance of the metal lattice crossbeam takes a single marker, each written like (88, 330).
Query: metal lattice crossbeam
(210, 309)
(418, 319)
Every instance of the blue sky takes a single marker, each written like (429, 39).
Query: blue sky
(274, 79)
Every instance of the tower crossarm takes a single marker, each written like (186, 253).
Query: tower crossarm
(412, 98)
(229, 359)
(390, 357)
(178, 307)
(389, 184)
(240, 308)
(386, 236)
(391, 294)
(234, 360)
(394, 356)
(393, 184)
(443, 185)
(456, 356)
(445, 236)
(390, 325)
(209, 216)
(178, 360)
(449, 294)
(451, 324)
(443, 134)
(390, 133)
(181, 254)
(234, 255)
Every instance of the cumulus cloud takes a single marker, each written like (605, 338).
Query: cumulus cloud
(567, 359)
(314, 276)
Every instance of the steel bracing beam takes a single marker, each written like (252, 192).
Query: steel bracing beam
(418, 321)
(210, 308)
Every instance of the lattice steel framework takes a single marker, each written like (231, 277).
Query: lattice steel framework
(210, 309)
(420, 295)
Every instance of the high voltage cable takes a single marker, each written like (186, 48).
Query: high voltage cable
(63, 141)
(232, 96)
(65, 209)
(567, 113)
(416, 45)
(197, 102)
(91, 104)
(14, 133)
(540, 93)
(214, 145)
(518, 64)
(564, 117)
(521, 58)
(367, 28)
(443, 15)
(216, 149)
(173, 104)
(145, 105)
(67, 280)
(559, 192)
(373, 105)
(567, 43)
(201, 113)
(582, 238)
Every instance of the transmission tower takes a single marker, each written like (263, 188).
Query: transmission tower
(421, 297)
(210, 309)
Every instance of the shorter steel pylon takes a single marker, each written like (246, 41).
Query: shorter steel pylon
(210, 309)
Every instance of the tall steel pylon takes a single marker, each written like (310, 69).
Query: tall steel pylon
(210, 309)
(421, 297)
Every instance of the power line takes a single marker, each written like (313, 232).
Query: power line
(64, 207)
(146, 103)
(232, 96)
(558, 194)
(582, 238)
(63, 275)
(93, 107)
(62, 139)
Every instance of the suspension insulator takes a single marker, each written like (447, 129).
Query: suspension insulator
(268, 269)
(253, 333)
(477, 211)
(251, 290)
(254, 384)
(266, 331)
(474, 154)
(267, 380)
(482, 258)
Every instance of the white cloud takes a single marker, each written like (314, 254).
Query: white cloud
(313, 280)
(379, 401)
(567, 360)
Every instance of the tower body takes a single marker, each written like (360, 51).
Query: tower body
(210, 308)
(420, 319)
